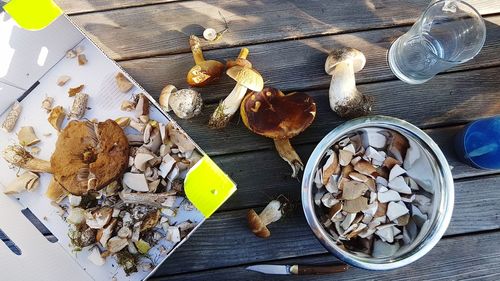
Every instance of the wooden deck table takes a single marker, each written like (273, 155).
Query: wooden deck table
(289, 42)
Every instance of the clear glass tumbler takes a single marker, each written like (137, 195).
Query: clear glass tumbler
(448, 33)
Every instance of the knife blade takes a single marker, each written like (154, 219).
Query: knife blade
(298, 269)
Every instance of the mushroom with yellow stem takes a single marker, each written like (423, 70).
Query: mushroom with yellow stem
(241, 60)
(272, 114)
(246, 78)
(345, 99)
(205, 71)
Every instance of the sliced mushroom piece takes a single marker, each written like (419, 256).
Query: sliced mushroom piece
(403, 220)
(398, 184)
(348, 220)
(383, 250)
(396, 171)
(395, 210)
(122, 82)
(142, 106)
(366, 168)
(358, 177)
(98, 218)
(56, 117)
(55, 192)
(148, 199)
(179, 138)
(335, 210)
(390, 162)
(318, 196)
(353, 190)
(387, 196)
(373, 154)
(141, 160)
(135, 182)
(173, 234)
(417, 215)
(76, 216)
(150, 220)
(330, 167)
(329, 200)
(95, 257)
(73, 91)
(28, 181)
(345, 157)
(398, 145)
(356, 205)
(385, 232)
(104, 234)
(381, 211)
(371, 210)
(74, 200)
(116, 244)
(27, 136)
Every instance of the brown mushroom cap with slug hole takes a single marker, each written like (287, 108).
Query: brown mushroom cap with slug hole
(272, 114)
(205, 71)
(89, 156)
(345, 99)
(246, 78)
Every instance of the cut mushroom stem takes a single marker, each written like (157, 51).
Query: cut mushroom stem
(20, 157)
(286, 151)
(345, 99)
(246, 78)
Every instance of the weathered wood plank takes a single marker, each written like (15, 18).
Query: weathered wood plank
(72, 7)
(298, 64)
(448, 99)
(262, 175)
(226, 241)
(474, 257)
(165, 28)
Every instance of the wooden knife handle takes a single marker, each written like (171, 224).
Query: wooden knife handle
(317, 269)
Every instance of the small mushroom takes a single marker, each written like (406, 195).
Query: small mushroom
(135, 182)
(246, 78)
(345, 99)
(28, 181)
(258, 223)
(205, 71)
(124, 85)
(27, 136)
(62, 80)
(10, 121)
(56, 117)
(47, 103)
(185, 103)
(272, 114)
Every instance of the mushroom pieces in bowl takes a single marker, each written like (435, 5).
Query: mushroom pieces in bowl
(272, 114)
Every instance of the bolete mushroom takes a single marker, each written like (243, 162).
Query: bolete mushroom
(241, 60)
(258, 223)
(345, 99)
(272, 114)
(246, 78)
(185, 103)
(205, 71)
(88, 156)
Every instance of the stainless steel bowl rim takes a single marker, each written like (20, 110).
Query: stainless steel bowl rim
(442, 219)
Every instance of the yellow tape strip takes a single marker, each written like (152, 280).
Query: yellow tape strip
(33, 14)
(207, 186)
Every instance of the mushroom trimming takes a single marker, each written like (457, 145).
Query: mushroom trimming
(345, 99)
(246, 78)
(272, 114)
(186, 103)
(258, 223)
(205, 71)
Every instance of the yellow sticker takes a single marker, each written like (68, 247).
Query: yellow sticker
(207, 186)
(33, 14)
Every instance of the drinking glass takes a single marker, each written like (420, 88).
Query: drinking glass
(448, 33)
(478, 144)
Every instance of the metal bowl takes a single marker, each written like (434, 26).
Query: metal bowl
(437, 171)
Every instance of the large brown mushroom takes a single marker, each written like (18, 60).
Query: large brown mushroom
(272, 114)
(205, 71)
(246, 78)
(88, 156)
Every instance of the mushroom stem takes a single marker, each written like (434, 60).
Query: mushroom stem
(18, 156)
(194, 42)
(345, 99)
(243, 53)
(271, 213)
(286, 151)
(228, 107)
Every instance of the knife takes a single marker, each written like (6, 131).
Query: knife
(298, 269)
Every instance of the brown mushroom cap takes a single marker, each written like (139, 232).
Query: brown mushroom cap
(275, 115)
(247, 77)
(256, 225)
(84, 148)
(345, 54)
(205, 72)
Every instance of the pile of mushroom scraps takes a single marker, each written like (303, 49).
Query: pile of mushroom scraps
(366, 199)
(120, 194)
